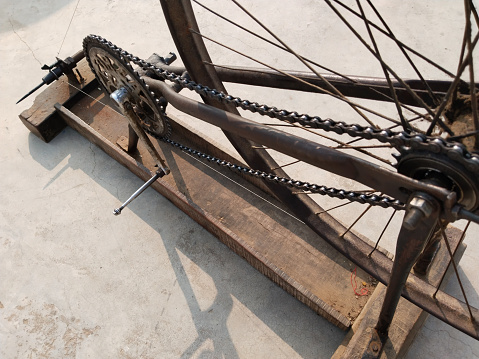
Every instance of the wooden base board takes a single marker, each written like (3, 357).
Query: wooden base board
(279, 246)
(41, 118)
(275, 243)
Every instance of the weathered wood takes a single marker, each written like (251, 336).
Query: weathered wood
(277, 245)
(41, 118)
(408, 319)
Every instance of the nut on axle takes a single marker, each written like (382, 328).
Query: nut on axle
(419, 207)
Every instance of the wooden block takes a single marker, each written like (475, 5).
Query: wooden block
(42, 119)
(408, 319)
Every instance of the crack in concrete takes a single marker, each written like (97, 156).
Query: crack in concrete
(443, 331)
(29, 48)
(94, 158)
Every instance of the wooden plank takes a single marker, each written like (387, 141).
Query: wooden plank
(279, 246)
(318, 270)
(408, 319)
(272, 242)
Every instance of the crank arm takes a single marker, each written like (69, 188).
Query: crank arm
(139, 191)
(120, 97)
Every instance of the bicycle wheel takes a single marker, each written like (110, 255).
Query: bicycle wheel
(431, 126)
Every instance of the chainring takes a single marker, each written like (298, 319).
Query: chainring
(114, 72)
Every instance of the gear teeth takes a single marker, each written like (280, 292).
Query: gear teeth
(124, 58)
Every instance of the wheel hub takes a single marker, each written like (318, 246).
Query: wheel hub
(443, 171)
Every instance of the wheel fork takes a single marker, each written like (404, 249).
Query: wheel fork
(420, 221)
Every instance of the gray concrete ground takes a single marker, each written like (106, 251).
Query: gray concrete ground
(76, 282)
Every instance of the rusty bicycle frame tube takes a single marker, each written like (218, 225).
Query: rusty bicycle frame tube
(342, 164)
(409, 246)
(369, 88)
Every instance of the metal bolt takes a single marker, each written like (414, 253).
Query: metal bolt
(419, 207)
(120, 96)
(375, 347)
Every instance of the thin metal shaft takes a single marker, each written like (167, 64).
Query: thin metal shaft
(456, 271)
(139, 191)
(356, 221)
(453, 256)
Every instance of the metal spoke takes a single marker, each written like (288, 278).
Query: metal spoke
(401, 44)
(401, 47)
(331, 87)
(472, 86)
(404, 123)
(361, 147)
(335, 207)
(287, 164)
(278, 124)
(455, 269)
(458, 137)
(304, 58)
(453, 87)
(453, 256)
(419, 101)
(356, 221)
(344, 99)
(474, 13)
(383, 231)
(344, 204)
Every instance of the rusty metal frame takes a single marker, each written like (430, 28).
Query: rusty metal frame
(342, 164)
(180, 19)
(445, 307)
(368, 88)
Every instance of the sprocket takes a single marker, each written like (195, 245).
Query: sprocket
(114, 72)
(441, 170)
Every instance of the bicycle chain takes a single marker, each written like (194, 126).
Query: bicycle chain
(372, 199)
(454, 150)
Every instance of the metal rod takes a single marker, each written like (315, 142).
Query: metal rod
(453, 256)
(57, 70)
(443, 233)
(139, 191)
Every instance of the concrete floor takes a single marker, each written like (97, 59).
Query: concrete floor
(77, 282)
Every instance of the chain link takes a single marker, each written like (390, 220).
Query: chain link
(305, 187)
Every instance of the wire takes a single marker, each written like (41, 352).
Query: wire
(68, 28)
